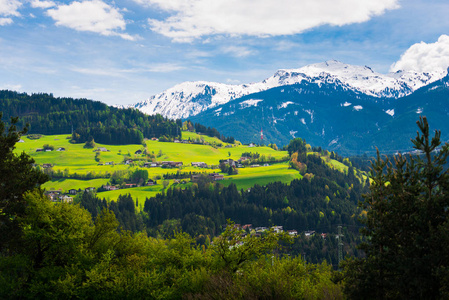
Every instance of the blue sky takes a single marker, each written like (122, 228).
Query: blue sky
(124, 51)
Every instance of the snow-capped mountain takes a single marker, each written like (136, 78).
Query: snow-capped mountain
(191, 98)
(332, 117)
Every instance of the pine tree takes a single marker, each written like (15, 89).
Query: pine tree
(406, 226)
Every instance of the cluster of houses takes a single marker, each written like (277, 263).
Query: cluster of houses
(276, 229)
(212, 176)
(58, 196)
(239, 163)
(49, 150)
(167, 164)
(199, 164)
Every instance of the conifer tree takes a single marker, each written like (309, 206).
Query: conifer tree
(406, 226)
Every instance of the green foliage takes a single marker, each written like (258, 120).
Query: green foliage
(297, 145)
(66, 255)
(48, 147)
(406, 226)
(90, 143)
(17, 175)
(233, 250)
(139, 176)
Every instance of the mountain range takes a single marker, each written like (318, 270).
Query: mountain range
(350, 109)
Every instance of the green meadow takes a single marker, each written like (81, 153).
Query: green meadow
(248, 176)
(76, 159)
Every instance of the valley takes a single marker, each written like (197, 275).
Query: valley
(80, 161)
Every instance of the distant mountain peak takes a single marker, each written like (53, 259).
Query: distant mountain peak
(192, 97)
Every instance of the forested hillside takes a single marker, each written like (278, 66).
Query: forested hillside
(108, 125)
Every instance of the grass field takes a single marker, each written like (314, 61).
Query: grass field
(248, 177)
(67, 184)
(76, 159)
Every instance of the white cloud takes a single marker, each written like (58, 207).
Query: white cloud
(425, 57)
(164, 68)
(237, 51)
(95, 16)
(11, 87)
(8, 8)
(5, 21)
(42, 4)
(192, 19)
(115, 72)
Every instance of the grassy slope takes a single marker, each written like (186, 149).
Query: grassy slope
(248, 177)
(79, 160)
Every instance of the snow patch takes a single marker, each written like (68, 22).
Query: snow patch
(285, 104)
(292, 133)
(390, 112)
(296, 112)
(228, 113)
(346, 104)
(334, 141)
(358, 107)
(250, 102)
(303, 121)
(419, 110)
(310, 112)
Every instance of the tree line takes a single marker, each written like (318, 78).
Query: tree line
(86, 118)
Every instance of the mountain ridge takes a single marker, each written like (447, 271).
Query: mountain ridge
(191, 98)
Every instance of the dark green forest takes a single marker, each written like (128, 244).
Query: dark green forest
(86, 118)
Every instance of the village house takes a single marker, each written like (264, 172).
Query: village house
(151, 182)
(172, 164)
(39, 150)
(216, 176)
(309, 233)
(72, 192)
(47, 166)
(130, 185)
(138, 152)
(292, 232)
(52, 195)
(66, 199)
(154, 139)
(278, 229)
(128, 161)
(247, 227)
(102, 149)
(261, 229)
(110, 187)
(199, 164)
(60, 149)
